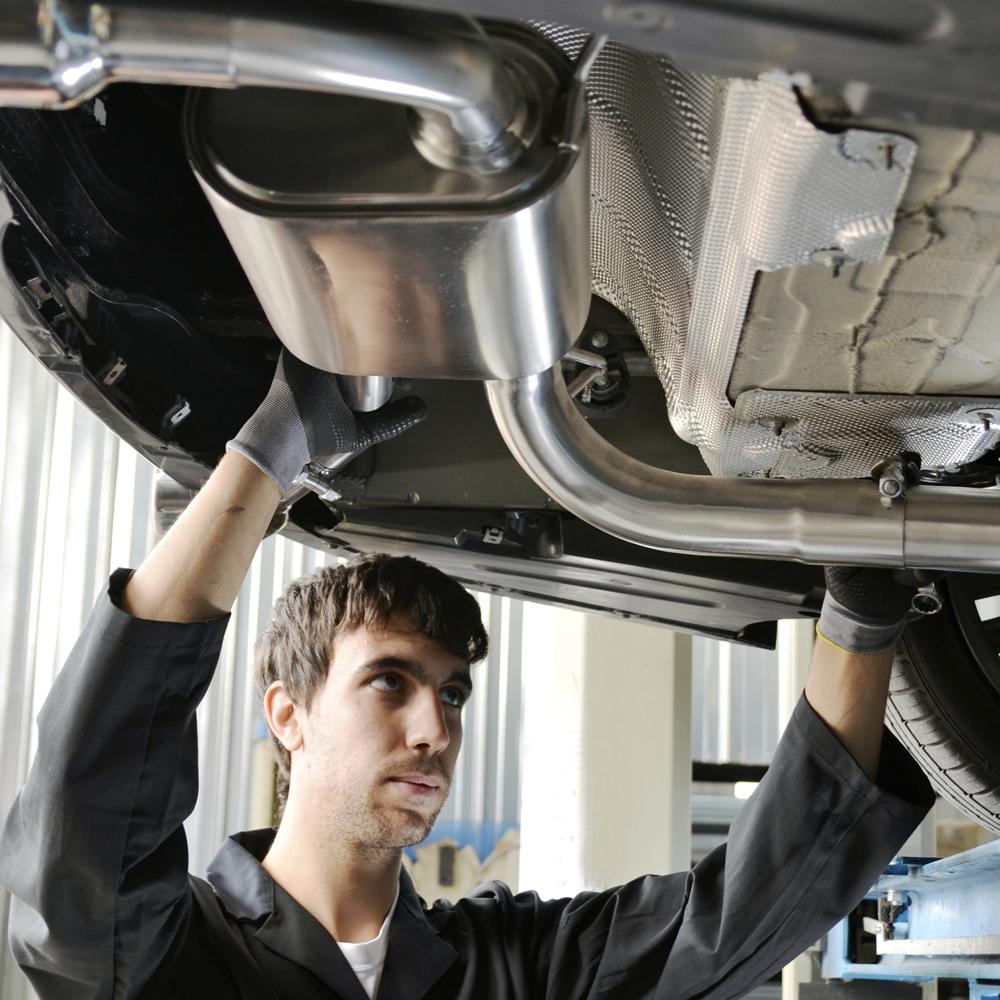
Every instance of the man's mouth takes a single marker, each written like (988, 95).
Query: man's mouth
(416, 784)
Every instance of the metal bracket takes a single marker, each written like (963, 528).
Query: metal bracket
(936, 919)
(597, 368)
(317, 479)
(113, 372)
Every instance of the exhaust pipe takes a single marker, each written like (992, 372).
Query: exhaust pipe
(471, 113)
(811, 521)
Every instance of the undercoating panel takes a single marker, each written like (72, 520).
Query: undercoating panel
(784, 192)
(897, 355)
(704, 191)
(812, 434)
(924, 319)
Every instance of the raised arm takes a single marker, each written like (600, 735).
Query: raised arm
(863, 616)
(197, 568)
(837, 802)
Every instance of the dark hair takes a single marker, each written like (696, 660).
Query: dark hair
(297, 645)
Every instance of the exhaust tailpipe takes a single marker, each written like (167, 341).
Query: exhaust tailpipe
(469, 112)
(811, 521)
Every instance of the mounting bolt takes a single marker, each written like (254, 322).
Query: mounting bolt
(890, 907)
(890, 490)
(831, 257)
(895, 476)
(889, 487)
(599, 339)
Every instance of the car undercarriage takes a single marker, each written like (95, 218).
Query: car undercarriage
(699, 297)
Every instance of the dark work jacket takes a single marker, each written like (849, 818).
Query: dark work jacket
(94, 853)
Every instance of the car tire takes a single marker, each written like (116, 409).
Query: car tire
(944, 699)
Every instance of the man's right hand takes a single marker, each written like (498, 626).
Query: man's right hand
(304, 419)
(196, 569)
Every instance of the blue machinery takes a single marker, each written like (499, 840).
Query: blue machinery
(929, 919)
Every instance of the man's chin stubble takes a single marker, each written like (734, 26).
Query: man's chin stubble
(393, 829)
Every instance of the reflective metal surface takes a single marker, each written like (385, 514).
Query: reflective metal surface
(702, 187)
(782, 189)
(365, 393)
(365, 266)
(698, 186)
(814, 521)
(472, 113)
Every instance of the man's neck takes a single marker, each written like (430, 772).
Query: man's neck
(348, 890)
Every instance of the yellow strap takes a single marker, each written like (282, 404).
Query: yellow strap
(830, 642)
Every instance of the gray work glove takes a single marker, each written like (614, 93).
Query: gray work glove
(304, 419)
(865, 610)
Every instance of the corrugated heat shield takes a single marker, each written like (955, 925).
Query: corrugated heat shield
(699, 183)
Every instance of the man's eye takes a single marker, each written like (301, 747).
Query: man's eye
(453, 697)
(386, 682)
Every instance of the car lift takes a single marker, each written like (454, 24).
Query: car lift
(928, 918)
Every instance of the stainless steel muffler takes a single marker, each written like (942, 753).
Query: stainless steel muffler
(369, 260)
(812, 521)
(407, 192)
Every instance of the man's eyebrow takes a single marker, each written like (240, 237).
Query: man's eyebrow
(415, 669)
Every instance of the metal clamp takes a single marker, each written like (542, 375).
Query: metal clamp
(316, 479)
(597, 368)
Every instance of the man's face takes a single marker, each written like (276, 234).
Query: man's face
(380, 740)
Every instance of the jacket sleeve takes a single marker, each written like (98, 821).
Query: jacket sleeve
(93, 849)
(804, 850)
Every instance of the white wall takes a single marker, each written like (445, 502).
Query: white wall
(606, 751)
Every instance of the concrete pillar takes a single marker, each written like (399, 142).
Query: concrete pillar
(795, 643)
(606, 751)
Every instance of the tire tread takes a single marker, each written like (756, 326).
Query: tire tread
(956, 770)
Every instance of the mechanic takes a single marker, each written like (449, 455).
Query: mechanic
(365, 670)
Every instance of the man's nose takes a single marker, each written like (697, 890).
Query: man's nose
(427, 726)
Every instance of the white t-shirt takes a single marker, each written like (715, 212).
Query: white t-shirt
(367, 958)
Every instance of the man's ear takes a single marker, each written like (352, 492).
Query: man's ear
(283, 716)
